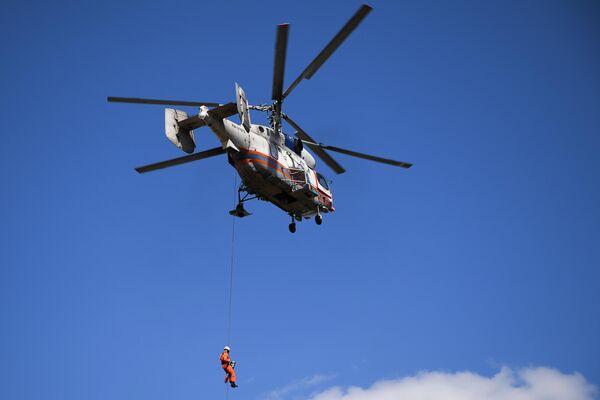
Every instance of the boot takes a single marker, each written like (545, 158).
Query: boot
(234, 385)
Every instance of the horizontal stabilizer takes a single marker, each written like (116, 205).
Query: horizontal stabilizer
(221, 112)
(224, 111)
(191, 123)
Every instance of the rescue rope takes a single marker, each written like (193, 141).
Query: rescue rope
(231, 268)
(230, 302)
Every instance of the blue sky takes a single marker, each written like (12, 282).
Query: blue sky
(484, 255)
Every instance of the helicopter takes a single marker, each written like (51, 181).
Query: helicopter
(272, 165)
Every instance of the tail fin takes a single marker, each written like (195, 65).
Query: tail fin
(183, 139)
(242, 107)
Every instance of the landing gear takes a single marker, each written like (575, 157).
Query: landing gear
(240, 211)
(318, 218)
(292, 226)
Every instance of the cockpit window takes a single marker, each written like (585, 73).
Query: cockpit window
(322, 181)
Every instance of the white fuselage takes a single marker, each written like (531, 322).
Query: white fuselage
(271, 170)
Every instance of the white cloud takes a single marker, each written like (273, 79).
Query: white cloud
(524, 384)
(297, 386)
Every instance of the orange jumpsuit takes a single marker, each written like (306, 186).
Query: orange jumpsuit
(227, 367)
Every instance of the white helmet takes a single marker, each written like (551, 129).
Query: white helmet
(226, 348)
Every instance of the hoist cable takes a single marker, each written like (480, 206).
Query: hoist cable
(231, 282)
(230, 302)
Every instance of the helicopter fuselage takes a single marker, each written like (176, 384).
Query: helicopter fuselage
(273, 166)
(271, 170)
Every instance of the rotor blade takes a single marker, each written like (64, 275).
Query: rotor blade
(361, 155)
(315, 147)
(181, 160)
(331, 47)
(161, 102)
(280, 51)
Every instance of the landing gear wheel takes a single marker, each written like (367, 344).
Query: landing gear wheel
(319, 220)
(292, 227)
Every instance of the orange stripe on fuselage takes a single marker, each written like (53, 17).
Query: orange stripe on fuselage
(258, 153)
(256, 160)
(326, 197)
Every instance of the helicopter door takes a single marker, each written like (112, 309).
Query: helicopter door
(242, 107)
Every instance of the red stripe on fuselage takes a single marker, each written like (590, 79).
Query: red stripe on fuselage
(259, 161)
(326, 197)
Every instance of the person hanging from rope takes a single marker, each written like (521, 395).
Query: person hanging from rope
(228, 367)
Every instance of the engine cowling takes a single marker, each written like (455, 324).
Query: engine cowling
(308, 158)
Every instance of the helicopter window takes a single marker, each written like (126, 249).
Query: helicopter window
(273, 150)
(322, 181)
(260, 128)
